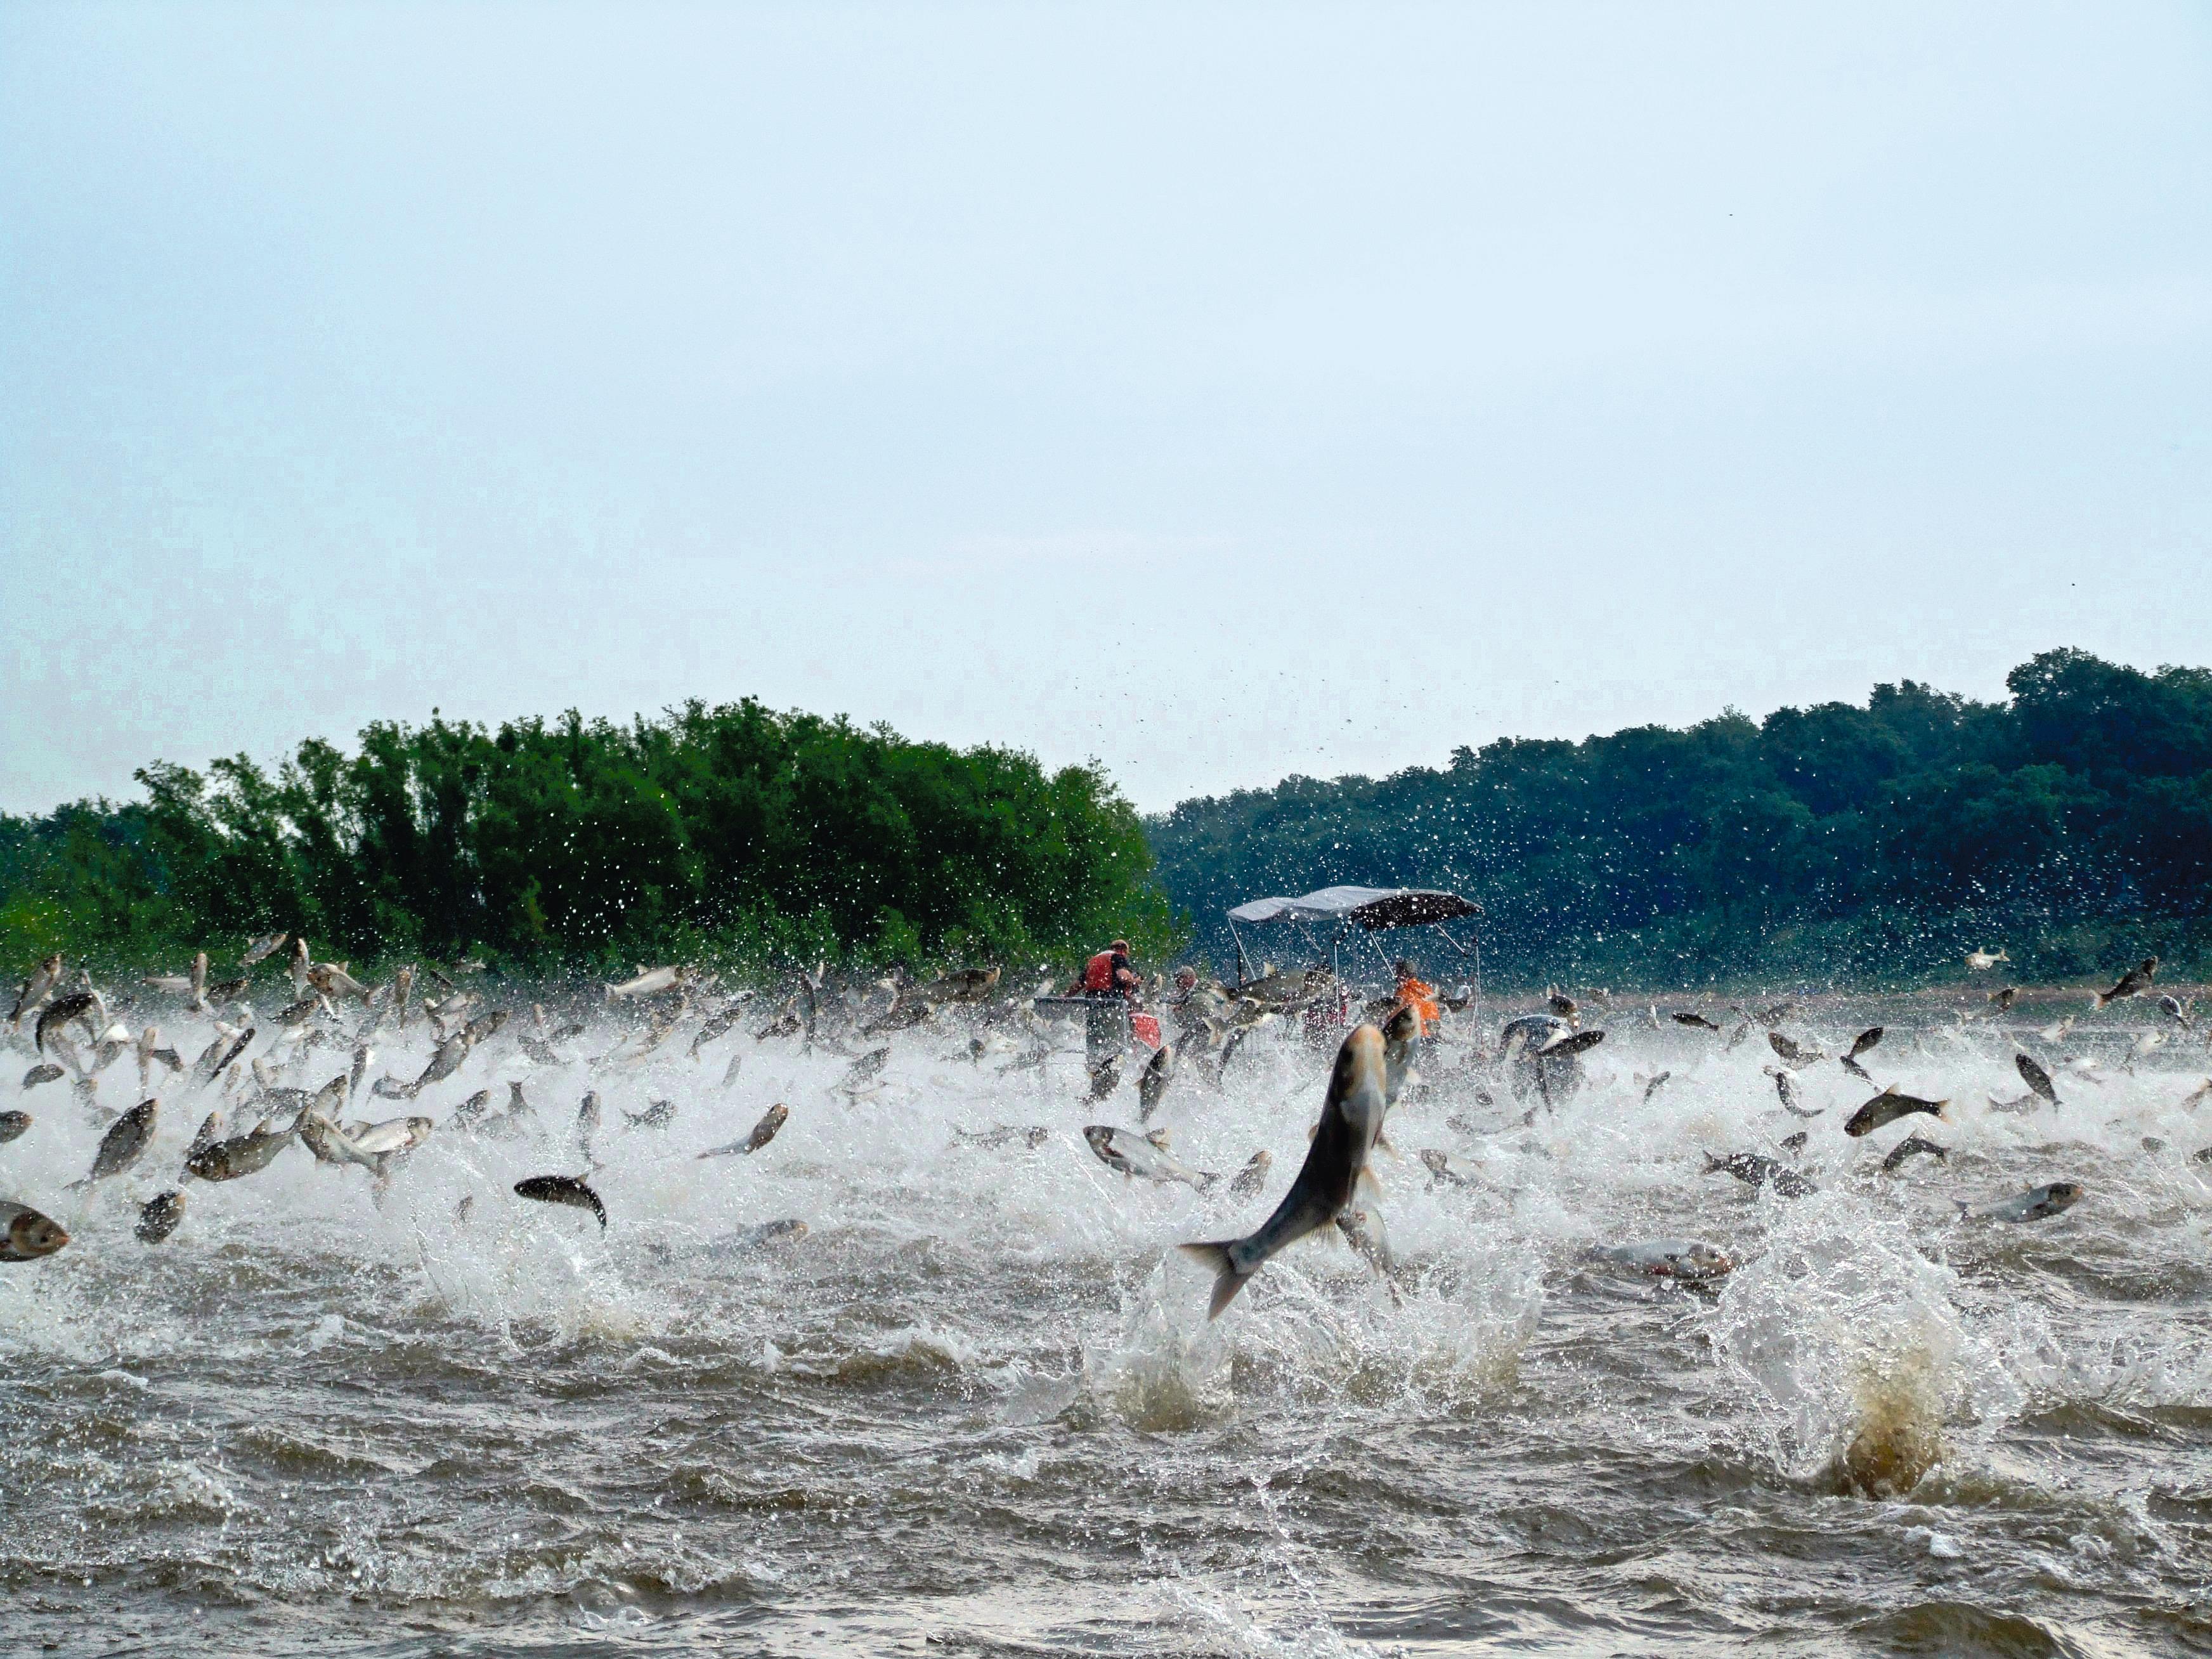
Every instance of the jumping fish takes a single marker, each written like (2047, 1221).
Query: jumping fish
(648, 980)
(1143, 1156)
(2134, 983)
(262, 948)
(1785, 1085)
(25, 1235)
(125, 1139)
(1247, 1182)
(763, 1132)
(1791, 1053)
(43, 978)
(1668, 1258)
(158, 1217)
(1983, 961)
(1152, 1082)
(1351, 1118)
(1440, 1169)
(1754, 1169)
(562, 1189)
(1003, 1135)
(1699, 1021)
(1652, 1087)
(1887, 1107)
(45, 1071)
(2033, 1074)
(241, 1155)
(59, 1013)
(12, 1125)
(1910, 1146)
(2037, 1204)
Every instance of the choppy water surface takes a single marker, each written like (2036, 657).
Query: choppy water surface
(978, 1408)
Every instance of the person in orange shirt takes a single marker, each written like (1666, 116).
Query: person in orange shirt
(1415, 994)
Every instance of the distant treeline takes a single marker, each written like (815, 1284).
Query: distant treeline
(2071, 824)
(733, 833)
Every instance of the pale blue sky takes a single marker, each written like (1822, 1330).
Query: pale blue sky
(1219, 392)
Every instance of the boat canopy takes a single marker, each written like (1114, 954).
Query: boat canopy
(1370, 907)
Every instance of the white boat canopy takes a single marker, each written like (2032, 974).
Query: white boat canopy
(1370, 907)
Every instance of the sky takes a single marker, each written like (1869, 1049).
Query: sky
(1214, 392)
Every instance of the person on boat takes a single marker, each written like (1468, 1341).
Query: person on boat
(1417, 994)
(1109, 973)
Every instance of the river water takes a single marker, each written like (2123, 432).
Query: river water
(977, 1407)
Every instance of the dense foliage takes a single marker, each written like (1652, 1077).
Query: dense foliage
(2072, 823)
(734, 833)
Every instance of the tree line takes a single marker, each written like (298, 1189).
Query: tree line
(734, 834)
(1847, 843)
(1843, 843)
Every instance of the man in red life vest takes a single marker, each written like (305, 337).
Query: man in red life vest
(1107, 974)
(1110, 983)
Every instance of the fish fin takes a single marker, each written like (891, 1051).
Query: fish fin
(1227, 1281)
(1713, 1164)
(1890, 1090)
(1382, 1140)
(1939, 1113)
(1964, 1208)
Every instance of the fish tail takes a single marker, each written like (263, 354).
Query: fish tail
(1206, 1181)
(1227, 1280)
(2101, 999)
(1941, 1112)
(1713, 1164)
(1964, 1208)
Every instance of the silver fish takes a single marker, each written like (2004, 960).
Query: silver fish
(127, 1138)
(1440, 1169)
(13, 1125)
(1887, 1107)
(562, 1189)
(1350, 1117)
(59, 1013)
(1791, 1053)
(1754, 1169)
(1910, 1146)
(45, 1072)
(1152, 1082)
(2037, 1204)
(763, 1132)
(659, 1114)
(1668, 1258)
(241, 1155)
(1248, 1181)
(1145, 1157)
(43, 978)
(2033, 1074)
(262, 948)
(1003, 1135)
(25, 1235)
(2132, 983)
(158, 1217)
(1785, 1085)
(648, 982)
